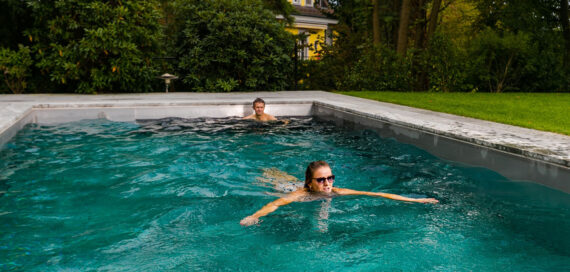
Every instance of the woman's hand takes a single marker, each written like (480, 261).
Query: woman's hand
(427, 200)
(248, 221)
(271, 207)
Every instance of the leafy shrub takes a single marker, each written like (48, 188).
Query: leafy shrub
(329, 71)
(90, 46)
(500, 60)
(15, 68)
(232, 45)
(544, 70)
(380, 68)
(445, 66)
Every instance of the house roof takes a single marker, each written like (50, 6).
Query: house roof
(312, 17)
(308, 11)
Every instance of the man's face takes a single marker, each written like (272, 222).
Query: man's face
(259, 108)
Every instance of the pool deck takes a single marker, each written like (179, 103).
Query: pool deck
(541, 146)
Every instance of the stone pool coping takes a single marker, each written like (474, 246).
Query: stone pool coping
(546, 147)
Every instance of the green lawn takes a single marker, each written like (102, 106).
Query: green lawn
(542, 111)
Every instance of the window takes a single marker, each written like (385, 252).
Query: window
(303, 45)
(308, 2)
(328, 37)
(296, 2)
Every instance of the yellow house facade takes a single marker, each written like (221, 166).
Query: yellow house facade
(310, 21)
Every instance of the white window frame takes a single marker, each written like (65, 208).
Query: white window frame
(296, 2)
(328, 36)
(303, 51)
(308, 2)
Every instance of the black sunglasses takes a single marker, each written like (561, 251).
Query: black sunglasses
(329, 178)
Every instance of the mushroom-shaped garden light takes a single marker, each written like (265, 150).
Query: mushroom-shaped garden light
(167, 78)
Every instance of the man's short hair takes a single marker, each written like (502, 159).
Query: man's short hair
(258, 100)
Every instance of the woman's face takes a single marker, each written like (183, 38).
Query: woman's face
(322, 180)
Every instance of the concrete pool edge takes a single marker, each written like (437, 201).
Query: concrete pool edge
(531, 152)
(516, 149)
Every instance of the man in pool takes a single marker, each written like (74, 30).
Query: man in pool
(318, 185)
(259, 114)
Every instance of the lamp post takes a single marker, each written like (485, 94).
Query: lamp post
(167, 78)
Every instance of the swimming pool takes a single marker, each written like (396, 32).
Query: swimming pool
(169, 194)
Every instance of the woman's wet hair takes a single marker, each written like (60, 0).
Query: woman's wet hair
(313, 166)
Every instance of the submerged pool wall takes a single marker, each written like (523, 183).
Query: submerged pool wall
(505, 162)
(56, 115)
(49, 114)
(516, 153)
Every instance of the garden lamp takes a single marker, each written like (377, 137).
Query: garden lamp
(167, 78)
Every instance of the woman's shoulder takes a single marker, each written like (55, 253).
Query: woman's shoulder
(297, 194)
(341, 191)
(301, 191)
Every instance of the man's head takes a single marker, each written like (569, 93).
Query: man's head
(258, 106)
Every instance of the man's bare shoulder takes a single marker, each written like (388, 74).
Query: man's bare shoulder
(252, 116)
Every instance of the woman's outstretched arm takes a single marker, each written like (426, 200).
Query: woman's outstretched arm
(271, 207)
(342, 191)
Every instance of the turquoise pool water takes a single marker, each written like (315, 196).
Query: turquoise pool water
(168, 195)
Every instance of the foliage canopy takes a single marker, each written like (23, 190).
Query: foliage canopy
(242, 50)
(90, 46)
(452, 45)
(94, 46)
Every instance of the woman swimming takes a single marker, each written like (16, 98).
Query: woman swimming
(319, 184)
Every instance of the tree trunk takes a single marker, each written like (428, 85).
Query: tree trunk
(376, 21)
(420, 22)
(392, 30)
(433, 19)
(503, 78)
(402, 45)
(565, 31)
